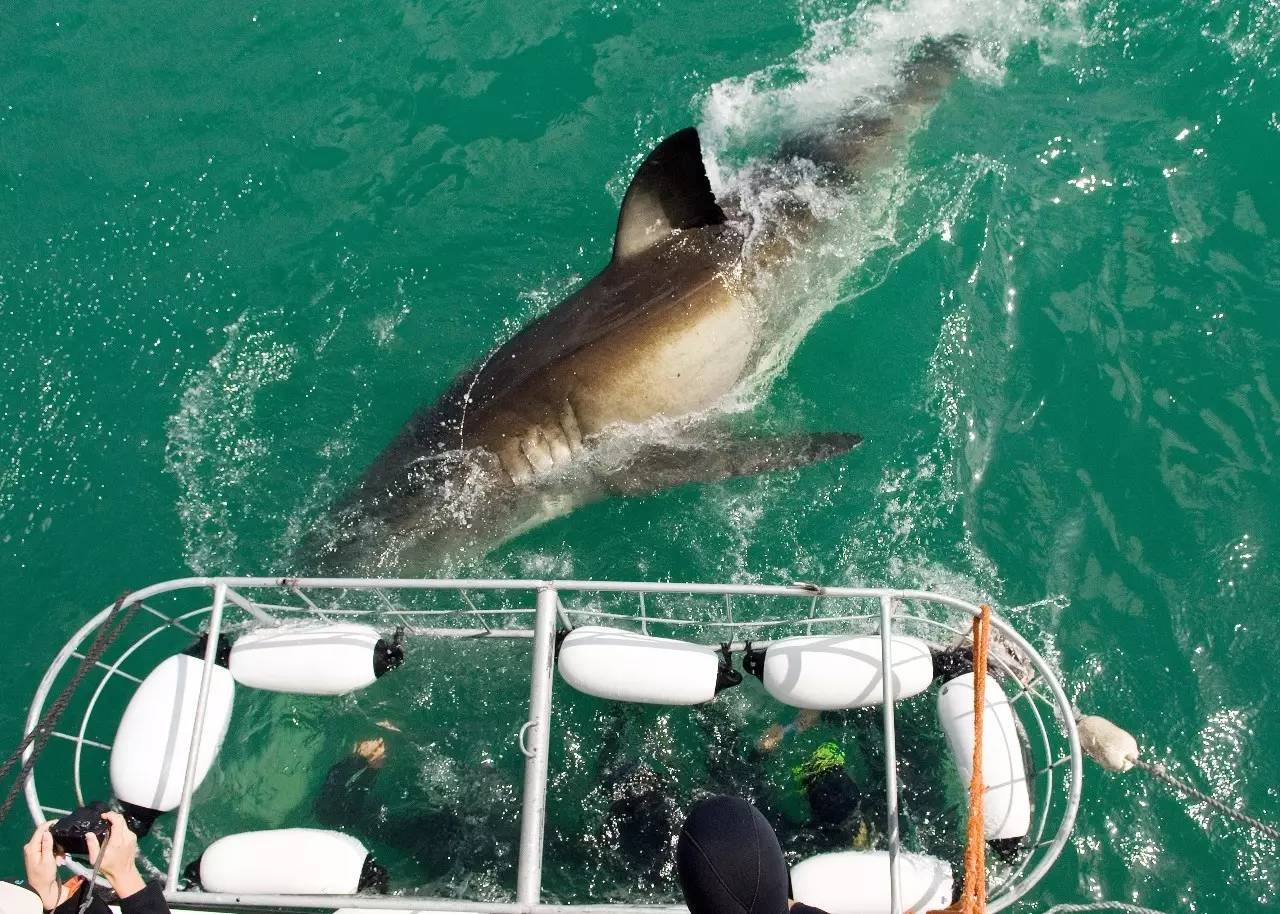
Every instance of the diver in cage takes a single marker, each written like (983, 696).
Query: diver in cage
(835, 802)
(642, 808)
(441, 840)
(837, 813)
(640, 821)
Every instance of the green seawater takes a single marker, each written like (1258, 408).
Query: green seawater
(241, 243)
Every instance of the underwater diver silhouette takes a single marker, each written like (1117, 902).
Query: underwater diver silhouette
(440, 840)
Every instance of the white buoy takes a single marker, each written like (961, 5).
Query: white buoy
(857, 882)
(1108, 745)
(153, 742)
(625, 666)
(831, 672)
(324, 659)
(286, 861)
(1006, 800)
(14, 899)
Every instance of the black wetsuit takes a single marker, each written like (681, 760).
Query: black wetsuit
(833, 798)
(437, 839)
(148, 900)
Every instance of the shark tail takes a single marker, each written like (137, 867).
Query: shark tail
(856, 142)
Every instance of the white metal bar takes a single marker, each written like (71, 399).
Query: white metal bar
(111, 670)
(533, 812)
(249, 606)
(563, 615)
(476, 634)
(197, 729)
(890, 753)
(174, 622)
(466, 599)
(408, 613)
(81, 739)
(406, 903)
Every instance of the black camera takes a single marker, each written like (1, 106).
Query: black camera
(69, 831)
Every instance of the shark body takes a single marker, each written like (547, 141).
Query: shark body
(663, 334)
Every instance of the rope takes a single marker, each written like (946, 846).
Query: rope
(973, 896)
(39, 735)
(1160, 773)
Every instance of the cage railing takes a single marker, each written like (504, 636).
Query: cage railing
(1044, 710)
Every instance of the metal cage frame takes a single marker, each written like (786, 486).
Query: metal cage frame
(1039, 694)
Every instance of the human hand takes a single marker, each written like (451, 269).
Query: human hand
(42, 867)
(770, 740)
(373, 751)
(119, 858)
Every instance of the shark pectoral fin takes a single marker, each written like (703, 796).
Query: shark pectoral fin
(660, 467)
(669, 191)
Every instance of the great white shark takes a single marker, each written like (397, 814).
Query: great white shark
(658, 339)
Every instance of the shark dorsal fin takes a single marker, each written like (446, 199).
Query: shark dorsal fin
(670, 191)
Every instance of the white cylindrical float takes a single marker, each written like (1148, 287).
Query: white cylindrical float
(833, 672)
(625, 666)
(857, 882)
(15, 899)
(288, 861)
(324, 659)
(1006, 799)
(153, 742)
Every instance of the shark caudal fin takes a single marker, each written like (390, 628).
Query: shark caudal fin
(670, 191)
(859, 142)
(664, 466)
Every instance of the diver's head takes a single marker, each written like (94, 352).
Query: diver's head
(729, 860)
(833, 797)
(640, 816)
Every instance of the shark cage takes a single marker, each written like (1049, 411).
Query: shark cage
(179, 649)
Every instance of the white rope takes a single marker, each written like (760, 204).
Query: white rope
(1102, 906)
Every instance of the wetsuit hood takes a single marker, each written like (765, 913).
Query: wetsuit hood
(729, 860)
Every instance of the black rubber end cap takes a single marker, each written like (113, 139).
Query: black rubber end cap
(373, 878)
(191, 874)
(727, 678)
(222, 657)
(1007, 849)
(753, 661)
(949, 664)
(138, 818)
(387, 655)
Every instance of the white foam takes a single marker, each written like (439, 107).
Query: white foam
(211, 449)
(850, 66)
(856, 60)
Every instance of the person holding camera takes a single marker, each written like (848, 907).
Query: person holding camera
(116, 860)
